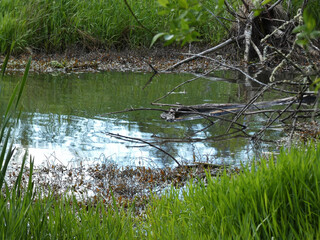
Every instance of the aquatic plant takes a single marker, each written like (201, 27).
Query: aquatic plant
(14, 202)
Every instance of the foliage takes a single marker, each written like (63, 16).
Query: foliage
(191, 13)
(309, 30)
(45, 25)
(56, 25)
(275, 198)
(183, 27)
(260, 6)
(14, 205)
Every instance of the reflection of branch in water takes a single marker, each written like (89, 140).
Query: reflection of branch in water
(138, 109)
(155, 72)
(126, 138)
(255, 136)
(181, 84)
(219, 138)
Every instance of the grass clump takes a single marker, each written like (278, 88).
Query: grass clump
(53, 26)
(276, 198)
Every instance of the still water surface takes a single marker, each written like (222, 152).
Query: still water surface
(65, 117)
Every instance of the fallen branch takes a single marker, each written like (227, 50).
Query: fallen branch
(216, 110)
(278, 111)
(137, 109)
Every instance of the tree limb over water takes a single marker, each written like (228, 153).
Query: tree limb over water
(266, 40)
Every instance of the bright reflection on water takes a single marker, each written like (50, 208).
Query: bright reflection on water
(65, 118)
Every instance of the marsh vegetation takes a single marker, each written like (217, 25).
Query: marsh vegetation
(276, 196)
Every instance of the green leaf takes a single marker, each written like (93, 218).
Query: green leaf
(163, 12)
(220, 4)
(156, 37)
(315, 82)
(183, 4)
(13, 95)
(168, 37)
(163, 3)
(302, 42)
(298, 29)
(302, 35)
(315, 34)
(5, 62)
(257, 12)
(265, 2)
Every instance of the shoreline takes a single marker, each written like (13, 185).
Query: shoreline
(139, 60)
(146, 60)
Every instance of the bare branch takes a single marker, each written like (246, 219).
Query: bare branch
(248, 34)
(210, 50)
(126, 138)
(137, 109)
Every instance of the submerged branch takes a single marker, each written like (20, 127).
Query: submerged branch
(126, 138)
(137, 109)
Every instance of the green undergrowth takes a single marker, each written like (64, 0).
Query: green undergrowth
(54, 26)
(277, 198)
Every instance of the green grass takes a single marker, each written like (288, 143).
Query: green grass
(55, 26)
(47, 25)
(279, 198)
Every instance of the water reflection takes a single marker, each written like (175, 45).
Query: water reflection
(65, 117)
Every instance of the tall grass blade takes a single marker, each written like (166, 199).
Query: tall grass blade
(4, 64)
(18, 180)
(4, 160)
(24, 79)
(11, 100)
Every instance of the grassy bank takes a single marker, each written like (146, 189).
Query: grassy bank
(280, 198)
(57, 25)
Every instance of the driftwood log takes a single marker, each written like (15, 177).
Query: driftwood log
(193, 112)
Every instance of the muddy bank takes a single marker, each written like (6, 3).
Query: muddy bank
(107, 182)
(147, 60)
(113, 60)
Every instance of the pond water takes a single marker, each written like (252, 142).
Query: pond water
(65, 119)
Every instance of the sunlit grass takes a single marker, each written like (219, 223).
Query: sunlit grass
(279, 199)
